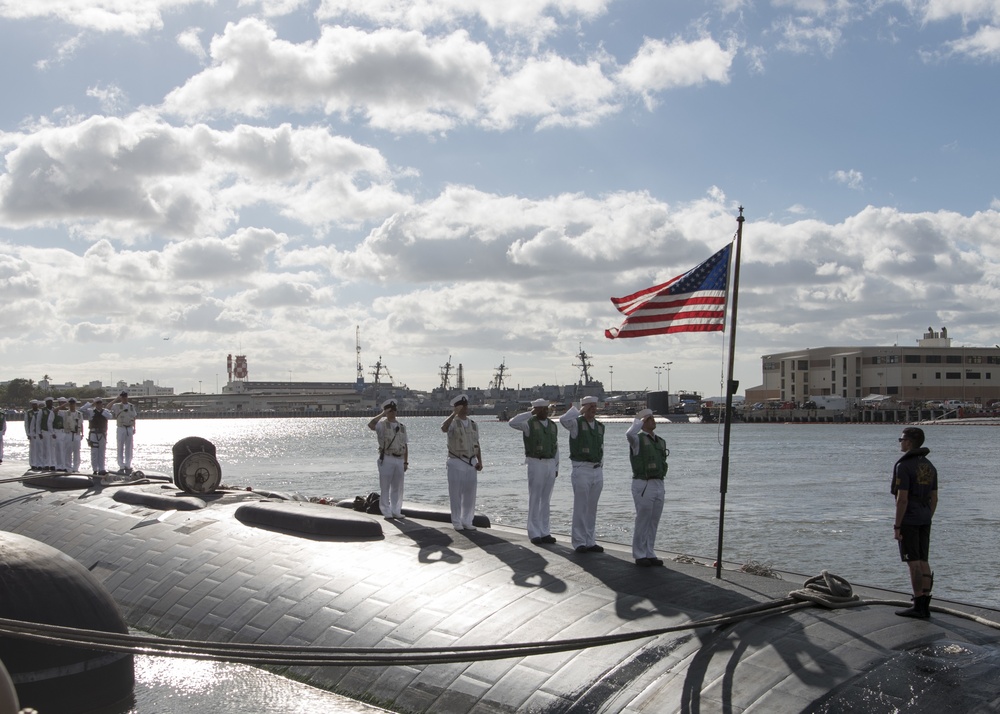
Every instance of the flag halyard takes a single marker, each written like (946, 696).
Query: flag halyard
(692, 302)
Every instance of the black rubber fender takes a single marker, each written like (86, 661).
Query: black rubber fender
(159, 501)
(64, 482)
(309, 518)
(427, 513)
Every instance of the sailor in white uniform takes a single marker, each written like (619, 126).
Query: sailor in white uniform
(124, 413)
(586, 453)
(60, 440)
(31, 422)
(393, 459)
(541, 454)
(648, 456)
(97, 436)
(72, 421)
(465, 460)
(47, 436)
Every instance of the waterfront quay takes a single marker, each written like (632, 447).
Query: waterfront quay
(846, 416)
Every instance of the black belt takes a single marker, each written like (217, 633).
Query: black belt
(648, 478)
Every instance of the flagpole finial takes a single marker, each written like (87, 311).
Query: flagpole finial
(741, 214)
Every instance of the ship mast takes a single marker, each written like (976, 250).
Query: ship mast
(498, 376)
(584, 364)
(378, 369)
(446, 375)
(360, 379)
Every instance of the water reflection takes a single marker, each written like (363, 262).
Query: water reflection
(168, 684)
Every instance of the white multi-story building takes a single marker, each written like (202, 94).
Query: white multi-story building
(930, 370)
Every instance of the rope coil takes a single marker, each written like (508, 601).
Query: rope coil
(827, 590)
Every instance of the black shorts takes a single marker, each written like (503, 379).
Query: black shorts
(915, 543)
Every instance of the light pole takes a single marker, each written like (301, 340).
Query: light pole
(659, 368)
(611, 371)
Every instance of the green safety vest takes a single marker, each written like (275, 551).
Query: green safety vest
(651, 461)
(589, 442)
(541, 442)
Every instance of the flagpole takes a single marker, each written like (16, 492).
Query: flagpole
(731, 387)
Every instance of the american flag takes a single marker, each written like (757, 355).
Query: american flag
(692, 302)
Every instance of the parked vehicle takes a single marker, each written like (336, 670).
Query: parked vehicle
(828, 402)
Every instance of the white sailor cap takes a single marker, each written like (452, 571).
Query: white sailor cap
(459, 399)
(389, 402)
(34, 401)
(539, 403)
(588, 400)
(644, 414)
(63, 400)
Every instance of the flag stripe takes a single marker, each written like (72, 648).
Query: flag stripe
(692, 302)
(663, 307)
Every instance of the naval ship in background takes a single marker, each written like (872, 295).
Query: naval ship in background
(242, 397)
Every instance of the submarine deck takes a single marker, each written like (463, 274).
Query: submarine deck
(192, 567)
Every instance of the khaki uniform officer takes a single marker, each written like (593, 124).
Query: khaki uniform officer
(465, 461)
(393, 459)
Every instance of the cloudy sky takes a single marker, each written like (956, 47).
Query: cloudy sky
(473, 179)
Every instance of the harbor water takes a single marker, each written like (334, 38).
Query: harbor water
(801, 498)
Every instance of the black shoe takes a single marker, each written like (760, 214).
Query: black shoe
(581, 549)
(643, 562)
(536, 541)
(548, 539)
(655, 561)
(920, 609)
(594, 549)
(102, 473)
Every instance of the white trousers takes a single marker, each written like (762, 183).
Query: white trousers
(390, 479)
(46, 447)
(462, 482)
(588, 482)
(541, 479)
(73, 451)
(62, 451)
(125, 447)
(648, 497)
(98, 452)
(33, 449)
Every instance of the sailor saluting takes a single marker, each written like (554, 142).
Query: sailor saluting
(393, 459)
(124, 413)
(465, 460)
